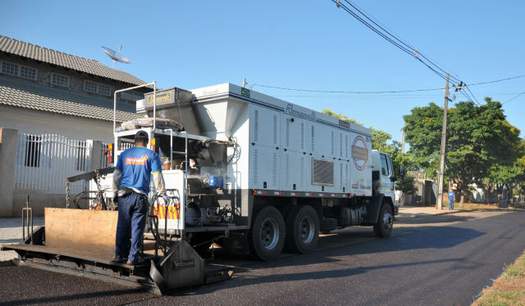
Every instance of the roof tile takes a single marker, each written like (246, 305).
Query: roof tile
(93, 67)
(25, 99)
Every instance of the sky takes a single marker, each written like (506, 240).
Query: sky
(309, 44)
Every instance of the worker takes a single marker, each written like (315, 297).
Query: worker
(451, 199)
(131, 179)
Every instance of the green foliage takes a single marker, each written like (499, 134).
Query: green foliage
(423, 134)
(481, 144)
(341, 117)
(406, 184)
(382, 141)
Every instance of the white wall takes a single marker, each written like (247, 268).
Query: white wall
(38, 122)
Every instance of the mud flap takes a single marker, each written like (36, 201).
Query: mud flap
(373, 209)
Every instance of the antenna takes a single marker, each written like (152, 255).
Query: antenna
(116, 56)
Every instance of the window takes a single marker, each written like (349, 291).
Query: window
(60, 80)
(90, 86)
(25, 72)
(10, 68)
(104, 90)
(32, 151)
(384, 165)
(28, 73)
(97, 88)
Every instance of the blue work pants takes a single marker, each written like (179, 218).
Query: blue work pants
(132, 211)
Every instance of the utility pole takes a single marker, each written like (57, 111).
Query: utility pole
(443, 149)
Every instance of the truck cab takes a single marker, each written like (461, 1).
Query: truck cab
(383, 175)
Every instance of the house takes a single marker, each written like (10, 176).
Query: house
(48, 91)
(56, 119)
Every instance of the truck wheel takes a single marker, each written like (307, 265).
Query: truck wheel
(385, 223)
(268, 234)
(303, 230)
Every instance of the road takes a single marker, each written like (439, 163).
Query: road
(429, 260)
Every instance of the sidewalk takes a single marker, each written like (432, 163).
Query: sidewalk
(412, 211)
(11, 232)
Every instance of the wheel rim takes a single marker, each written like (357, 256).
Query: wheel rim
(306, 230)
(388, 221)
(270, 234)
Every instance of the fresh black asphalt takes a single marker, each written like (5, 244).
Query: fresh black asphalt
(440, 260)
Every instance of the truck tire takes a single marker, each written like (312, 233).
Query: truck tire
(303, 230)
(385, 223)
(268, 234)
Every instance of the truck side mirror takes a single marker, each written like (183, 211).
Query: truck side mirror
(393, 178)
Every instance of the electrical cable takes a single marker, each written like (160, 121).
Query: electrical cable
(415, 51)
(514, 97)
(395, 40)
(380, 92)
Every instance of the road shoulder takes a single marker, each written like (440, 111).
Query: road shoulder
(508, 289)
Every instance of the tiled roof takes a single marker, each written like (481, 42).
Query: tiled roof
(91, 66)
(25, 99)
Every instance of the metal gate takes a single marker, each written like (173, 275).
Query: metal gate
(44, 161)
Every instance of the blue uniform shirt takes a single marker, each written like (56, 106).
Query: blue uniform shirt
(136, 165)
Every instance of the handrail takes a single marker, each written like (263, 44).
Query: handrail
(154, 83)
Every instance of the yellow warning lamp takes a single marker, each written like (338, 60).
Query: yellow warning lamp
(153, 143)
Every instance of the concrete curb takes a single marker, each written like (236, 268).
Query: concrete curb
(464, 210)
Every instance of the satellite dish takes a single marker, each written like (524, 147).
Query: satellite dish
(116, 56)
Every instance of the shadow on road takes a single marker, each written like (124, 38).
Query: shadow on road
(347, 244)
(72, 298)
(247, 280)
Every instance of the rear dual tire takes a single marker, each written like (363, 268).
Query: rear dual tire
(303, 230)
(268, 234)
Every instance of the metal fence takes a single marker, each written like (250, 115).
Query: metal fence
(44, 161)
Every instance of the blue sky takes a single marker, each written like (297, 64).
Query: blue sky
(294, 43)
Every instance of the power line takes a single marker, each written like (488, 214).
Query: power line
(514, 98)
(356, 92)
(415, 51)
(362, 17)
(381, 92)
(471, 94)
(499, 80)
(373, 25)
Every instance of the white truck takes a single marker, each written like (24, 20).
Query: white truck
(246, 171)
(263, 174)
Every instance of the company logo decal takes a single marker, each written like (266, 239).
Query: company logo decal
(136, 161)
(360, 153)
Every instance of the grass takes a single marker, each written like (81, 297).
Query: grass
(508, 289)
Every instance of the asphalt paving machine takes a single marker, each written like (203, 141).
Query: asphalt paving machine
(80, 238)
(243, 170)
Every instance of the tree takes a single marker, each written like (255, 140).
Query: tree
(423, 134)
(479, 139)
(341, 117)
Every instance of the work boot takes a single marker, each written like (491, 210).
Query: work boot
(138, 262)
(118, 260)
